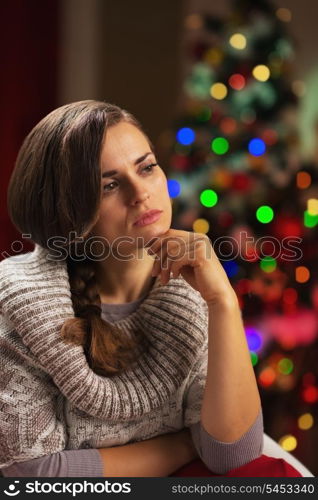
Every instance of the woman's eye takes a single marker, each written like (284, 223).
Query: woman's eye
(148, 168)
(107, 187)
(151, 165)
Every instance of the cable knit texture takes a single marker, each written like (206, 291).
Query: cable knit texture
(51, 400)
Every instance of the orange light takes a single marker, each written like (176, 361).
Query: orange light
(228, 125)
(302, 274)
(287, 343)
(303, 180)
(270, 137)
(267, 377)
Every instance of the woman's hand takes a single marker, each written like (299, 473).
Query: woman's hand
(187, 449)
(191, 255)
(155, 457)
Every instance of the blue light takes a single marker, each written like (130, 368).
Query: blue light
(256, 147)
(185, 136)
(231, 268)
(174, 188)
(254, 339)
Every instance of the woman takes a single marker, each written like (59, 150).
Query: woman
(123, 348)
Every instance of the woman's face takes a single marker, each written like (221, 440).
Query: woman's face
(132, 183)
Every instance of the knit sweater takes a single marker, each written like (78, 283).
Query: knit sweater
(50, 400)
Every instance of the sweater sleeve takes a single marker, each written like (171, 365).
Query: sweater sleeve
(67, 463)
(222, 457)
(31, 407)
(218, 456)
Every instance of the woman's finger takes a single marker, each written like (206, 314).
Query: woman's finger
(174, 258)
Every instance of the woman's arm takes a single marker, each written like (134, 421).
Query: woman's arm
(66, 463)
(159, 456)
(156, 457)
(220, 457)
(231, 401)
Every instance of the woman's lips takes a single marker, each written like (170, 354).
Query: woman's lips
(148, 219)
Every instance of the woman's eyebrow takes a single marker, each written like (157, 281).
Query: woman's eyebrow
(110, 173)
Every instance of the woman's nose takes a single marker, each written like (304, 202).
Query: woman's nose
(138, 193)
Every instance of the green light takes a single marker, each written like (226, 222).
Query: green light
(268, 264)
(310, 220)
(220, 145)
(285, 366)
(208, 198)
(254, 358)
(264, 214)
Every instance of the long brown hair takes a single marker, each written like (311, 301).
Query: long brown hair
(55, 190)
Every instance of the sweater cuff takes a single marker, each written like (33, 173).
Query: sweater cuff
(221, 457)
(87, 463)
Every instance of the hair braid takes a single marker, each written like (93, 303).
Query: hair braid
(107, 352)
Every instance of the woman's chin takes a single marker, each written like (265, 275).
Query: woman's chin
(152, 231)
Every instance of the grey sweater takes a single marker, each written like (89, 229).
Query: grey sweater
(219, 457)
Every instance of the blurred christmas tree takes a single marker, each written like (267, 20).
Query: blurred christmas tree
(235, 174)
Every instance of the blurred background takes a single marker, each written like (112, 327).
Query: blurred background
(227, 91)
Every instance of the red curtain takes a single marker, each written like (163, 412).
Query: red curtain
(28, 88)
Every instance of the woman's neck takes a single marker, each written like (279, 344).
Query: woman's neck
(120, 282)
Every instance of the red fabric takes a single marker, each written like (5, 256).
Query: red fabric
(262, 466)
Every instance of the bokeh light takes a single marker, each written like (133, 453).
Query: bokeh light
(312, 206)
(201, 226)
(268, 264)
(228, 125)
(288, 442)
(231, 268)
(174, 188)
(261, 72)
(237, 81)
(254, 338)
(238, 41)
(302, 274)
(305, 421)
(310, 394)
(254, 358)
(218, 91)
(220, 145)
(270, 137)
(284, 14)
(303, 180)
(310, 220)
(285, 366)
(185, 136)
(208, 198)
(264, 214)
(256, 146)
(267, 377)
